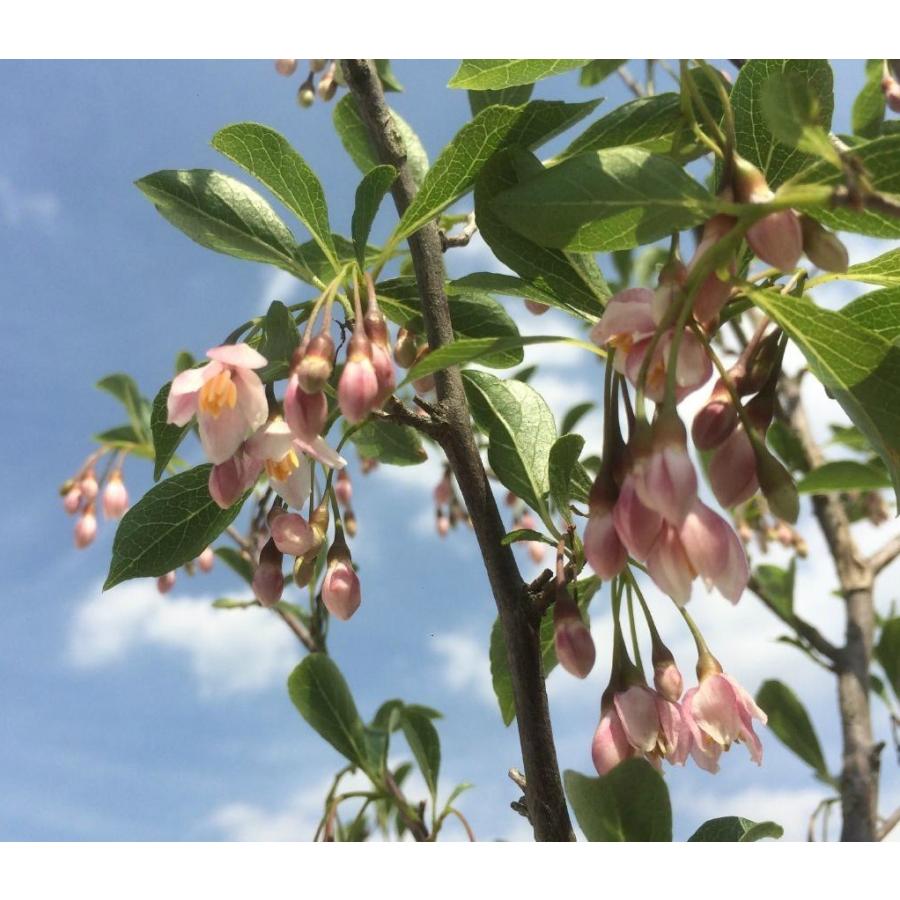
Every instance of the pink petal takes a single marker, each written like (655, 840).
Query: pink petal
(610, 745)
(603, 550)
(319, 450)
(273, 442)
(251, 398)
(640, 720)
(636, 524)
(715, 710)
(182, 402)
(222, 435)
(241, 356)
(295, 489)
(669, 566)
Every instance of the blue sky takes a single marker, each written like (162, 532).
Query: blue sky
(133, 716)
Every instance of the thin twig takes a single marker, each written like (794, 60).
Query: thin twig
(883, 557)
(630, 81)
(462, 238)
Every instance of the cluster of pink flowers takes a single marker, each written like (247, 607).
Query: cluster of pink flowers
(80, 498)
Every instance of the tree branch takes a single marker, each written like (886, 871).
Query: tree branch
(546, 800)
(463, 237)
(889, 824)
(883, 557)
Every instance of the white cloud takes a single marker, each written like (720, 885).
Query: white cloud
(279, 285)
(228, 651)
(19, 207)
(464, 665)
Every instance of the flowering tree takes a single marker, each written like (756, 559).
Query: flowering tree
(735, 185)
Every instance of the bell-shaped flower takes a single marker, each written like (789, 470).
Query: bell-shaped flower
(712, 294)
(693, 366)
(227, 397)
(86, 528)
(715, 551)
(627, 319)
(115, 496)
(268, 579)
(669, 566)
(732, 469)
(571, 636)
(715, 420)
(230, 480)
(165, 583)
(340, 589)
(305, 413)
(358, 387)
(206, 560)
(292, 534)
(637, 525)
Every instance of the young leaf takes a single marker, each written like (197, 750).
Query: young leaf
(888, 652)
(867, 115)
(790, 723)
(574, 415)
(425, 744)
(551, 273)
(610, 199)
(221, 213)
(455, 170)
(355, 138)
(598, 69)
(369, 195)
(280, 339)
(860, 368)
(389, 443)
(512, 96)
(735, 829)
(844, 475)
(562, 463)
(755, 140)
(499, 283)
(521, 430)
(496, 74)
(879, 311)
(266, 155)
(166, 437)
(320, 693)
(778, 585)
(386, 75)
(884, 270)
(170, 525)
(123, 388)
(631, 803)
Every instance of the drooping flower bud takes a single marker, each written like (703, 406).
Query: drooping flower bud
(115, 496)
(292, 534)
(86, 528)
(305, 414)
(306, 95)
(165, 583)
(603, 549)
(442, 523)
(822, 247)
(716, 288)
(443, 491)
(317, 65)
(891, 89)
(535, 307)
(89, 487)
(72, 500)
(636, 524)
(715, 551)
(667, 680)
(669, 566)
(343, 488)
(268, 580)
(358, 387)
(572, 639)
(351, 525)
(732, 470)
(229, 480)
(327, 86)
(426, 383)
(405, 349)
(340, 588)
(206, 560)
(316, 365)
(286, 67)
(384, 373)
(715, 420)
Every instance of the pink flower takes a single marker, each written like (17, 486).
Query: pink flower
(384, 373)
(603, 549)
(732, 469)
(230, 480)
(610, 745)
(571, 637)
(713, 292)
(669, 566)
(227, 397)
(115, 497)
(165, 583)
(305, 413)
(715, 420)
(358, 388)
(627, 319)
(715, 551)
(636, 524)
(693, 367)
(86, 528)
(72, 500)
(718, 713)
(206, 560)
(343, 488)
(89, 487)
(777, 239)
(340, 589)
(292, 534)
(668, 681)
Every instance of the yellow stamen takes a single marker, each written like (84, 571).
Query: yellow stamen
(621, 342)
(217, 394)
(280, 470)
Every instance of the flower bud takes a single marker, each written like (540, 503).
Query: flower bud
(535, 307)
(86, 528)
(268, 580)
(229, 480)
(165, 583)
(715, 289)
(384, 373)
(442, 523)
(72, 500)
(304, 569)
(572, 639)
(286, 67)
(426, 383)
(732, 470)
(823, 248)
(776, 484)
(115, 497)
(636, 524)
(206, 560)
(777, 239)
(443, 491)
(89, 486)
(351, 526)
(306, 96)
(536, 550)
(327, 87)
(317, 364)
(891, 89)
(343, 488)
(292, 534)
(317, 65)
(405, 349)
(669, 567)
(358, 387)
(715, 420)
(305, 414)
(667, 679)
(340, 589)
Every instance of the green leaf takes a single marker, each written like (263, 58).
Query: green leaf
(522, 534)
(355, 138)
(122, 436)
(844, 475)
(867, 114)
(474, 315)
(851, 437)
(735, 829)
(496, 74)
(861, 369)
(610, 199)
(166, 437)
(221, 213)
(574, 415)
(552, 274)
(631, 803)
(266, 155)
(884, 270)
(887, 652)
(389, 443)
(499, 283)
(790, 723)
(598, 69)
(512, 96)
(755, 140)
(778, 585)
(881, 160)
(369, 195)
(425, 744)
(562, 464)
(314, 264)
(878, 311)
(170, 525)
(123, 388)
(386, 75)
(280, 339)
(455, 170)
(320, 693)
(520, 429)
(501, 680)
(235, 561)
(788, 447)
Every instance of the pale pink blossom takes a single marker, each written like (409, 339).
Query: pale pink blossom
(664, 478)
(340, 589)
(293, 534)
(668, 681)
(89, 487)
(603, 549)
(86, 528)
(693, 367)
(115, 496)
(637, 525)
(732, 469)
(669, 567)
(227, 397)
(72, 500)
(165, 583)
(627, 318)
(343, 488)
(385, 375)
(230, 480)
(206, 560)
(715, 551)
(713, 292)
(571, 637)
(715, 420)
(777, 239)
(305, 413)
(358, 387)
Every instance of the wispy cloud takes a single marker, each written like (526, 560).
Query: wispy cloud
(229, 651)
(464, 666)
(279, 285)
(20, 207)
